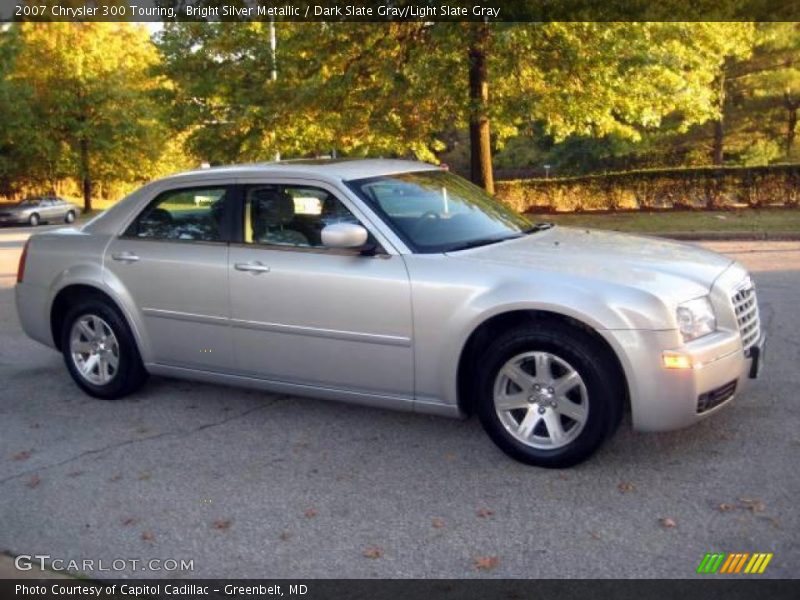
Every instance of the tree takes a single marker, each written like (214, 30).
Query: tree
(91, 91)
(398, 88)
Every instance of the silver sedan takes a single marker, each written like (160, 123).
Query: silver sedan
(394, 284)
(33, 211)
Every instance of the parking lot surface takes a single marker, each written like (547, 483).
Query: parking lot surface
(247, 484)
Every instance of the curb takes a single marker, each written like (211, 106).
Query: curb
(731, 236)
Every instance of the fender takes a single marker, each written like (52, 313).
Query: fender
(95, 276)
(606, 310)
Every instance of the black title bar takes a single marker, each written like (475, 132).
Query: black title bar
(400, 10)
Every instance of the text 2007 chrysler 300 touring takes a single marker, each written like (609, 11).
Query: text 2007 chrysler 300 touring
(394, 284)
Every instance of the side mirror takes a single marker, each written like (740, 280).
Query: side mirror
(344, 235)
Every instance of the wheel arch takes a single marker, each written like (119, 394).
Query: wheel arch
(499, 323)
(72, 293)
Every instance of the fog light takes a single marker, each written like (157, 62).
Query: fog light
(675, 360)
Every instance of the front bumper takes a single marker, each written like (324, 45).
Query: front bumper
(665, 399)
(13, 220)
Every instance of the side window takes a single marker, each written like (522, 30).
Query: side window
(189, 214)
(291, 216)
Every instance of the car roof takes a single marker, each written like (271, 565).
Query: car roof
(336, 169)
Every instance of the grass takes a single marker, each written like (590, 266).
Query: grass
(772, 221)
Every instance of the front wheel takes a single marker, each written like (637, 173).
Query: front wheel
(100, 351)
(69, 217)
(548, 395)
(34, 220)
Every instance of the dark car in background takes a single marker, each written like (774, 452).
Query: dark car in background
(38, 209)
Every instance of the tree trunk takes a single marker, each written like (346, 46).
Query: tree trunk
(86, 178)
(479, 134)
(791, 122)
(719, 142)
(717, 151)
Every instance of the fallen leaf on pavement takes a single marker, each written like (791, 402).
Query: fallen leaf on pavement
(24, 455)
(128, 521)
(437, 523)
(33, 481)
(310, 513)
(725, 507)
(373, 552)
(774, 522)
(626, 486)
(595, 535)
(485, 512)
(222, 524)
(285, 535)
(667, 523)
(486, 563)
(754, 505)
(147, 536)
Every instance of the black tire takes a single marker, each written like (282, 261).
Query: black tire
(591, 360)
(130, 374)
(34, 220)
(69, 217)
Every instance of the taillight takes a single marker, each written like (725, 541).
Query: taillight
(22, 259)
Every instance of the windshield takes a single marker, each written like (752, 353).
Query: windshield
(436, 211)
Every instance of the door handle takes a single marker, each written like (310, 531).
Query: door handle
(253, 267)
(125, 256)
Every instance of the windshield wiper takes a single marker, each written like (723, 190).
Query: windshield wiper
(487, 241)
(538, 227)
(478, 243)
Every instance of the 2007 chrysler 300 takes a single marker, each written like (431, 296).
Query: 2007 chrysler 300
(396, 284)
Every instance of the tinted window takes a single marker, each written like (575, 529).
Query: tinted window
(436, 211)
(189, 214)
(291, 216)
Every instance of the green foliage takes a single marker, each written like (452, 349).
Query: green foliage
(83, 104)
(100, 102)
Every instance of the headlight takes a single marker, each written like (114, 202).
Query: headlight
(696, 318)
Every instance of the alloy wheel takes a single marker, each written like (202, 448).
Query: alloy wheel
(541, 400)
(94, 349)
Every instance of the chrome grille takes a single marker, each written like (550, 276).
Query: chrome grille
(746, 308)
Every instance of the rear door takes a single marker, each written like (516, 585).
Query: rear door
(173, 261)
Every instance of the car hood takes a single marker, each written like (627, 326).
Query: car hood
(667, 269)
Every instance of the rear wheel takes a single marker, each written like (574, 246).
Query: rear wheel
(69, 217)
(549, 395)
(100, 351)
(34, 220)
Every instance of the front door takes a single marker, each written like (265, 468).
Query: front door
(305, 314)
(173, 261)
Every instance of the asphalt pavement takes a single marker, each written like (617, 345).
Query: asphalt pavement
(248, 484)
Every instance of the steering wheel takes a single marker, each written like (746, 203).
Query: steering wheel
(423, 219)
